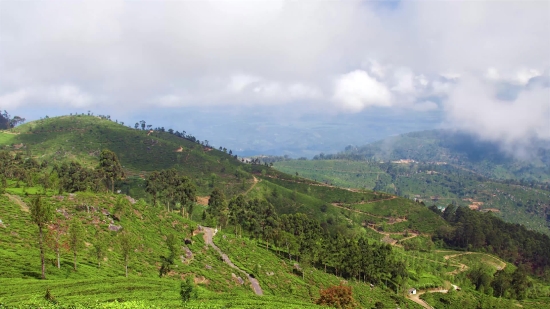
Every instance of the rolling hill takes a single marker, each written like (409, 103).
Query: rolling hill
(458, 149)
(255, 236)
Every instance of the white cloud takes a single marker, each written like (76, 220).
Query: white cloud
(472, 107)
(60, 95)
(141, 54)
(14, 99)
(239, 82)
(524, 75)
(356, 90)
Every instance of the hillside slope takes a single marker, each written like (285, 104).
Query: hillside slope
(81, 138)
(435, 184)
(282, 237)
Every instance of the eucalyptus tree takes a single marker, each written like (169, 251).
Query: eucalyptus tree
(76, 235)
(127, 245)
(110, 167)
(41, 214)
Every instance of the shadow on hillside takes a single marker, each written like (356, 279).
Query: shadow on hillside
(31, 274)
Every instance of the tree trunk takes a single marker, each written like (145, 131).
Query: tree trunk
(42, 252)
(58, 260)
(126, 269)
(74, 260)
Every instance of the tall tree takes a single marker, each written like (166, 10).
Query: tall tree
(110, 167)
(76, 235)
(217, 206)
(153, 185)
(99, 247)
(54, 237)
(168, 261)
(127, 245)
(41, 214)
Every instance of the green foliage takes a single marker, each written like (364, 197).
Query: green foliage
(187, 289)
(109, 167)
(127, 245)
(294, 235)
(435, 184)
(76, 235)
(482, 231)
(41, 214)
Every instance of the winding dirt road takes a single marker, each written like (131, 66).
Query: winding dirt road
(416, 297)
(208, 235)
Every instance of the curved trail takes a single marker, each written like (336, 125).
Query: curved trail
(416, 297)
(208, 235)
(338, 205)
(253, 185)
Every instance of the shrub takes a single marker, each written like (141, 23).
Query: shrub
(338, 296)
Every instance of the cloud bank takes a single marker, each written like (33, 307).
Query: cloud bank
(483, 63)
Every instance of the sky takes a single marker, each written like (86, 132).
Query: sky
(285, 77)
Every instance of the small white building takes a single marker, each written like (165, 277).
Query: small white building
(412, 291)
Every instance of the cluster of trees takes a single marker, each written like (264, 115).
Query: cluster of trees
(479, 231)
(307, 241)
(67, 177)
(20, 168)
(7, 122)
(171, 188)
(503, 283)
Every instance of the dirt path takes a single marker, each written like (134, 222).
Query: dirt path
(208, 235)
(461, 267)
(416, 297)
(17, 200)
(253, 185)
(337, 205)
(369, 202)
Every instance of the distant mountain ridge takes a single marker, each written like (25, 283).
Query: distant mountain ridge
(460, 149)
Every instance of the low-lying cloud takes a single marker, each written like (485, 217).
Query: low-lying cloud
(476, 61)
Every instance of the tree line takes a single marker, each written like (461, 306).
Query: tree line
(477, 231)
(303, 239)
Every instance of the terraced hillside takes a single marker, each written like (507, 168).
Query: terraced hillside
(435, 184)
(254, 237)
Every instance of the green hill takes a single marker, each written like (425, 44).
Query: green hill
(293, 236)
(81, 138)
(435, 184)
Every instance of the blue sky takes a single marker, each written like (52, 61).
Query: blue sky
(294, 77)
